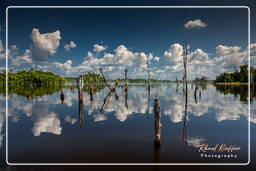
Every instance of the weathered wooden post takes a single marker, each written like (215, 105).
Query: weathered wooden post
(157, 141)
(126, 88)
(126, 80)
(80, 100)
(157, 121)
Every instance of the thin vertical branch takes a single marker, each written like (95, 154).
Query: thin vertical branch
(149, 83)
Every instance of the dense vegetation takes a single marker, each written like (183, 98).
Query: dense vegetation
(240, 76)
(92, 78)
(93, 82)
(140, 80)
(202, 79)
(35, 77)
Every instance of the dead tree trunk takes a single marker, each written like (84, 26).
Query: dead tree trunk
(126, 89)
(149, 83)
(111, 88)
(157, 121)
(185, 91)
(157, 142)
(106, 82)
(126, 78)
(126, 82)
(80, 99)
(185, 58)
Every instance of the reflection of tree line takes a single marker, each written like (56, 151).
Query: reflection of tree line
(29, 91)
(237, 90)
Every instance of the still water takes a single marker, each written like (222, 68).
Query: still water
(45, 127)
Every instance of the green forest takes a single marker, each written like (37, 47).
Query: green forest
(37, 77)
(238, 76)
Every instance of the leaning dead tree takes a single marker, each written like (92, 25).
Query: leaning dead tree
(106, 82)
(111, 88)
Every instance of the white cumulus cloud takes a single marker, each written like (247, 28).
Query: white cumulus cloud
(99, 48)
(70, 45)
(44, 44)
(195, 24)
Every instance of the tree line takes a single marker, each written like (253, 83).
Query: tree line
(32, 77)
(240, 76)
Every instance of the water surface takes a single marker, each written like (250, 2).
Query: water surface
(45, 128)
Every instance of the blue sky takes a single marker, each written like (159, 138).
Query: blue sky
(157, 34)
(147, 30)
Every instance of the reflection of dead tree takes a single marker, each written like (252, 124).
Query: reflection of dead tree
(62, 96)
(106, 101)
(111, 88)
(91, 92)
(126, 99)
(80, 99)
(252, 81)
(147, 111)
(185, 115)
(195, 92)
(200, 94)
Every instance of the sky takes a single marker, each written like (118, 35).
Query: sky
(70, 41)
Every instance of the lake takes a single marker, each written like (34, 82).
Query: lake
(53, 126)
